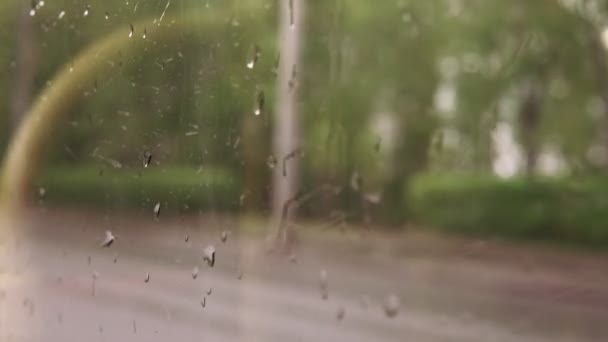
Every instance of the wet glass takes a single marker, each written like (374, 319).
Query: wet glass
(299, 170)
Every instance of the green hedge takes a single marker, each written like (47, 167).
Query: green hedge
(562, 210)
(177, 188)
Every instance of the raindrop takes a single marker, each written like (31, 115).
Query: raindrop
(187, 238)
(391, 305)
(32, 12)
(107, 16)
(271, 161)
(147, 279)
(163, 14)
(195, 272)
(237, 141)
(377, 145)
(203, 302)
(239, 273)
(255, 55)
(295, 153)
(294, 74)
(109, 239)
(132, 29)
(293, 258)
(291, 21)
(275, 69)
(340, 313)
(41, 193)
(259, 103)
(157, 210)
(209, 255)
(224, 236)
(86, 12)
(209, 290)
(95, 276)
(134, 327)
(323, 284)
(145, 34)
(61, 15)
(147, 159)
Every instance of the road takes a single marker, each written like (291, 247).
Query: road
(58, 284)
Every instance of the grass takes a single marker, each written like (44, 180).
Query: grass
(177, 188)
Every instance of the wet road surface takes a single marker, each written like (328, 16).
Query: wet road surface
(58, 284)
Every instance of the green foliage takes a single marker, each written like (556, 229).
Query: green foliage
(177, 188)
(561, 210)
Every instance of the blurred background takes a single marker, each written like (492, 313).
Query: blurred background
(447, 159)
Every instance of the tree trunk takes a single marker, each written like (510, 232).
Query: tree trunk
(529, 122)
(286, 127)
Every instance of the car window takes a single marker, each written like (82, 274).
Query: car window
(300, 170)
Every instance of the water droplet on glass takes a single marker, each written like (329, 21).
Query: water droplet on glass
(32, 12)
(275, 69)
(377, 145)
(147, 278)
(323, 284)
(209, 290)
(95, 276)
(259, 103)
(145, 34)
(224, 236)
(131, 30)
(157, 210)
(41, 193)
(187, 238)
(203, 302)
(255, 55)
(109, 239)
(271, 161)
(340, 313)
(294, 74)
(391, 305)
(61, 15)
(209, 255)
(107, 16)
(239, 273)
(291, 14)
(86, 12)
(147, 159)
(195, 272)
(293, 258)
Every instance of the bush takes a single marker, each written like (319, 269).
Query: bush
(177, 188)
(563, 210)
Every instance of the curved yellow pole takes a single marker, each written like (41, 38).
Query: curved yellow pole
(23, 157)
